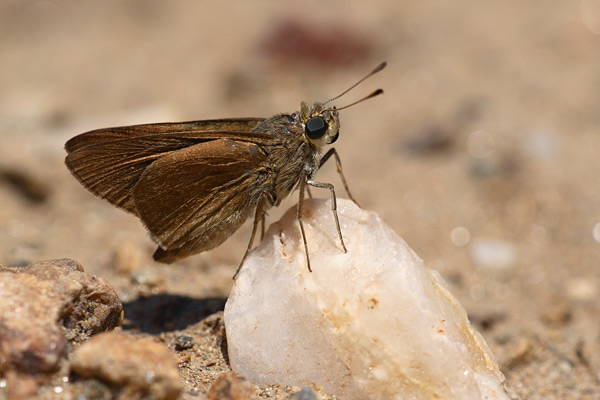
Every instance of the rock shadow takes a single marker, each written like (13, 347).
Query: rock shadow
(168, 312)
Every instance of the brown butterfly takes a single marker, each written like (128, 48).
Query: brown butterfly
(193, 184)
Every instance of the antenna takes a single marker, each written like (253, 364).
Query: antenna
(376, 70)
(375, 93)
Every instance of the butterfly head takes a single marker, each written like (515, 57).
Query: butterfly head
(321, 126)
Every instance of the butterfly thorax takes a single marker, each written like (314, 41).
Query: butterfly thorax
(295, 155)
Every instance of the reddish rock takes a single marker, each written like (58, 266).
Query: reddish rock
(46, 304)
(130, 366)
(231, 386)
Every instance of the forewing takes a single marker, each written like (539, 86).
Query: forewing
(128, 132)
(109, 162)
(191, 200)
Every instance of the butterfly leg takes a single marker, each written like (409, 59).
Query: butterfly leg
(302, 187)
(333, 206)
(262, 226)
(259, 216)
(338, 163)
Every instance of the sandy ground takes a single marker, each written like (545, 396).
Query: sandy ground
(483, 154)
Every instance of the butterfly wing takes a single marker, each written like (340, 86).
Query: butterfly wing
(129, 132)
(193, 199)
(109, 162)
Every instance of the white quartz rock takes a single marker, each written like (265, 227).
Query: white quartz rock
(373, 323)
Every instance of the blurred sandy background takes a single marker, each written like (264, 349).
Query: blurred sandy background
(483, 153)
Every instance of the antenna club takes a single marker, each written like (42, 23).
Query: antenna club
(379, 68)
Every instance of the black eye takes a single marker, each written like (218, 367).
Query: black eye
(315, 127)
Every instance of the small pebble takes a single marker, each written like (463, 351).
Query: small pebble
(304, 394)
(183, 342)
(557, 314)
(596, 232)
(493, 254)
(231, 386)
(581, 289)
(541, 143)
(520, 354)
(127, 258)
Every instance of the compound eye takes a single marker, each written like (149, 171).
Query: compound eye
(315, 127)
